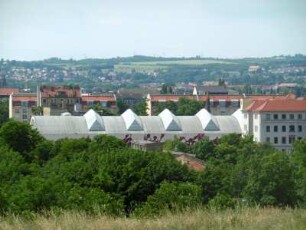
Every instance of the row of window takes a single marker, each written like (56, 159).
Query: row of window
(282, 140)
(283, 116)
(223, 103)
(291, 128)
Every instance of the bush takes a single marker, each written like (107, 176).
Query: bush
(174, 197)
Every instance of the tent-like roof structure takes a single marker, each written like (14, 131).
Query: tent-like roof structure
(166, 124)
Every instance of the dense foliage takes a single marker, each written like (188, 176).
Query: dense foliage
(103, 175)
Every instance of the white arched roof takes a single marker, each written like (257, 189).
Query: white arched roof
(166, 123)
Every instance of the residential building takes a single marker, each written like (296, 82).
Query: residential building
(59, 99)
(279, 122)
(104, 100)
(21, 106)
(6, 92)
(218, 104)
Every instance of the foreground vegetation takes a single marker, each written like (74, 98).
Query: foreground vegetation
(238, 219)
(104, 176)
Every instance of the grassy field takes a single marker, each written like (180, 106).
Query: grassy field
(248, 218)
(159, 65)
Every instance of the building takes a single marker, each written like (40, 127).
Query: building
(279, 122)
(189, 160)
(21, 106)
(107, 100)
(161, 127)
(6, 92)
(59, 99)
(218, 104)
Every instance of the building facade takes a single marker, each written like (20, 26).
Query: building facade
(279, 122)
(21, 106)
(59, 99)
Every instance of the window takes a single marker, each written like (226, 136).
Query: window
(267, 128)
(256, 128)
(16, 110)
(89, 103)
(291, 116)
(300, 116)
(268, 139)
(300, 128)
(284, 128)
(235, 103)
(275, 140)
(275, 116)
(291, 128)
(24, 103)
(24, 116)
(291, 139)
(222, 103)
(284, 116)
(268, 116)
(275, 128)
(283, 140)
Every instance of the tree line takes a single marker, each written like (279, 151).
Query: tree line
(104, 175)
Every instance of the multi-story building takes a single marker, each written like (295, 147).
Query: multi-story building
(218, 104)
(54, 101)
(279, 122)
(21, 106)
(59, 99)
(107, 100)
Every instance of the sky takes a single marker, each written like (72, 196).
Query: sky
(40, 29)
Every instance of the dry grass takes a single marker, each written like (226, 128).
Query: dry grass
(248, 218)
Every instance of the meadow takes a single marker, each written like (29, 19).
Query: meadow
(148, 66)
(202, 218)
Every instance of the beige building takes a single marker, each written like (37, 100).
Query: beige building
(279, 122)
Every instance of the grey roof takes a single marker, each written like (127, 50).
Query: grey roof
(166, 123)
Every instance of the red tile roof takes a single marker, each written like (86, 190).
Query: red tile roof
(8, 91)
(24, 98)
(278, 106)
(53, 91)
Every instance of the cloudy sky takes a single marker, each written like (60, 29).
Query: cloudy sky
(39, 29)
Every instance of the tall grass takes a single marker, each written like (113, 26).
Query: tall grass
(245, 218)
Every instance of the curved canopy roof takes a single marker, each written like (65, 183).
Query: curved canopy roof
(166, 124)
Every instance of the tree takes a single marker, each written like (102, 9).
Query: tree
(203, 149)
(189, 107)
(20, 137)
(4, 111)
(122, 106)
(166, 89)
(140, 108)
(270, 180)
(174, 197)
(298, 159)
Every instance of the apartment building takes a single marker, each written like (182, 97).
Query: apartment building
(218, 104)
(279, 122)
(59, 99)
(21, 106)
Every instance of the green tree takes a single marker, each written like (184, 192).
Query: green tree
(188, 107)
(203, 149)
(140, 108)
(298, 159)
(122, 106)
(20, 137)
(174, 197)
(4, 110)
(270, 180)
